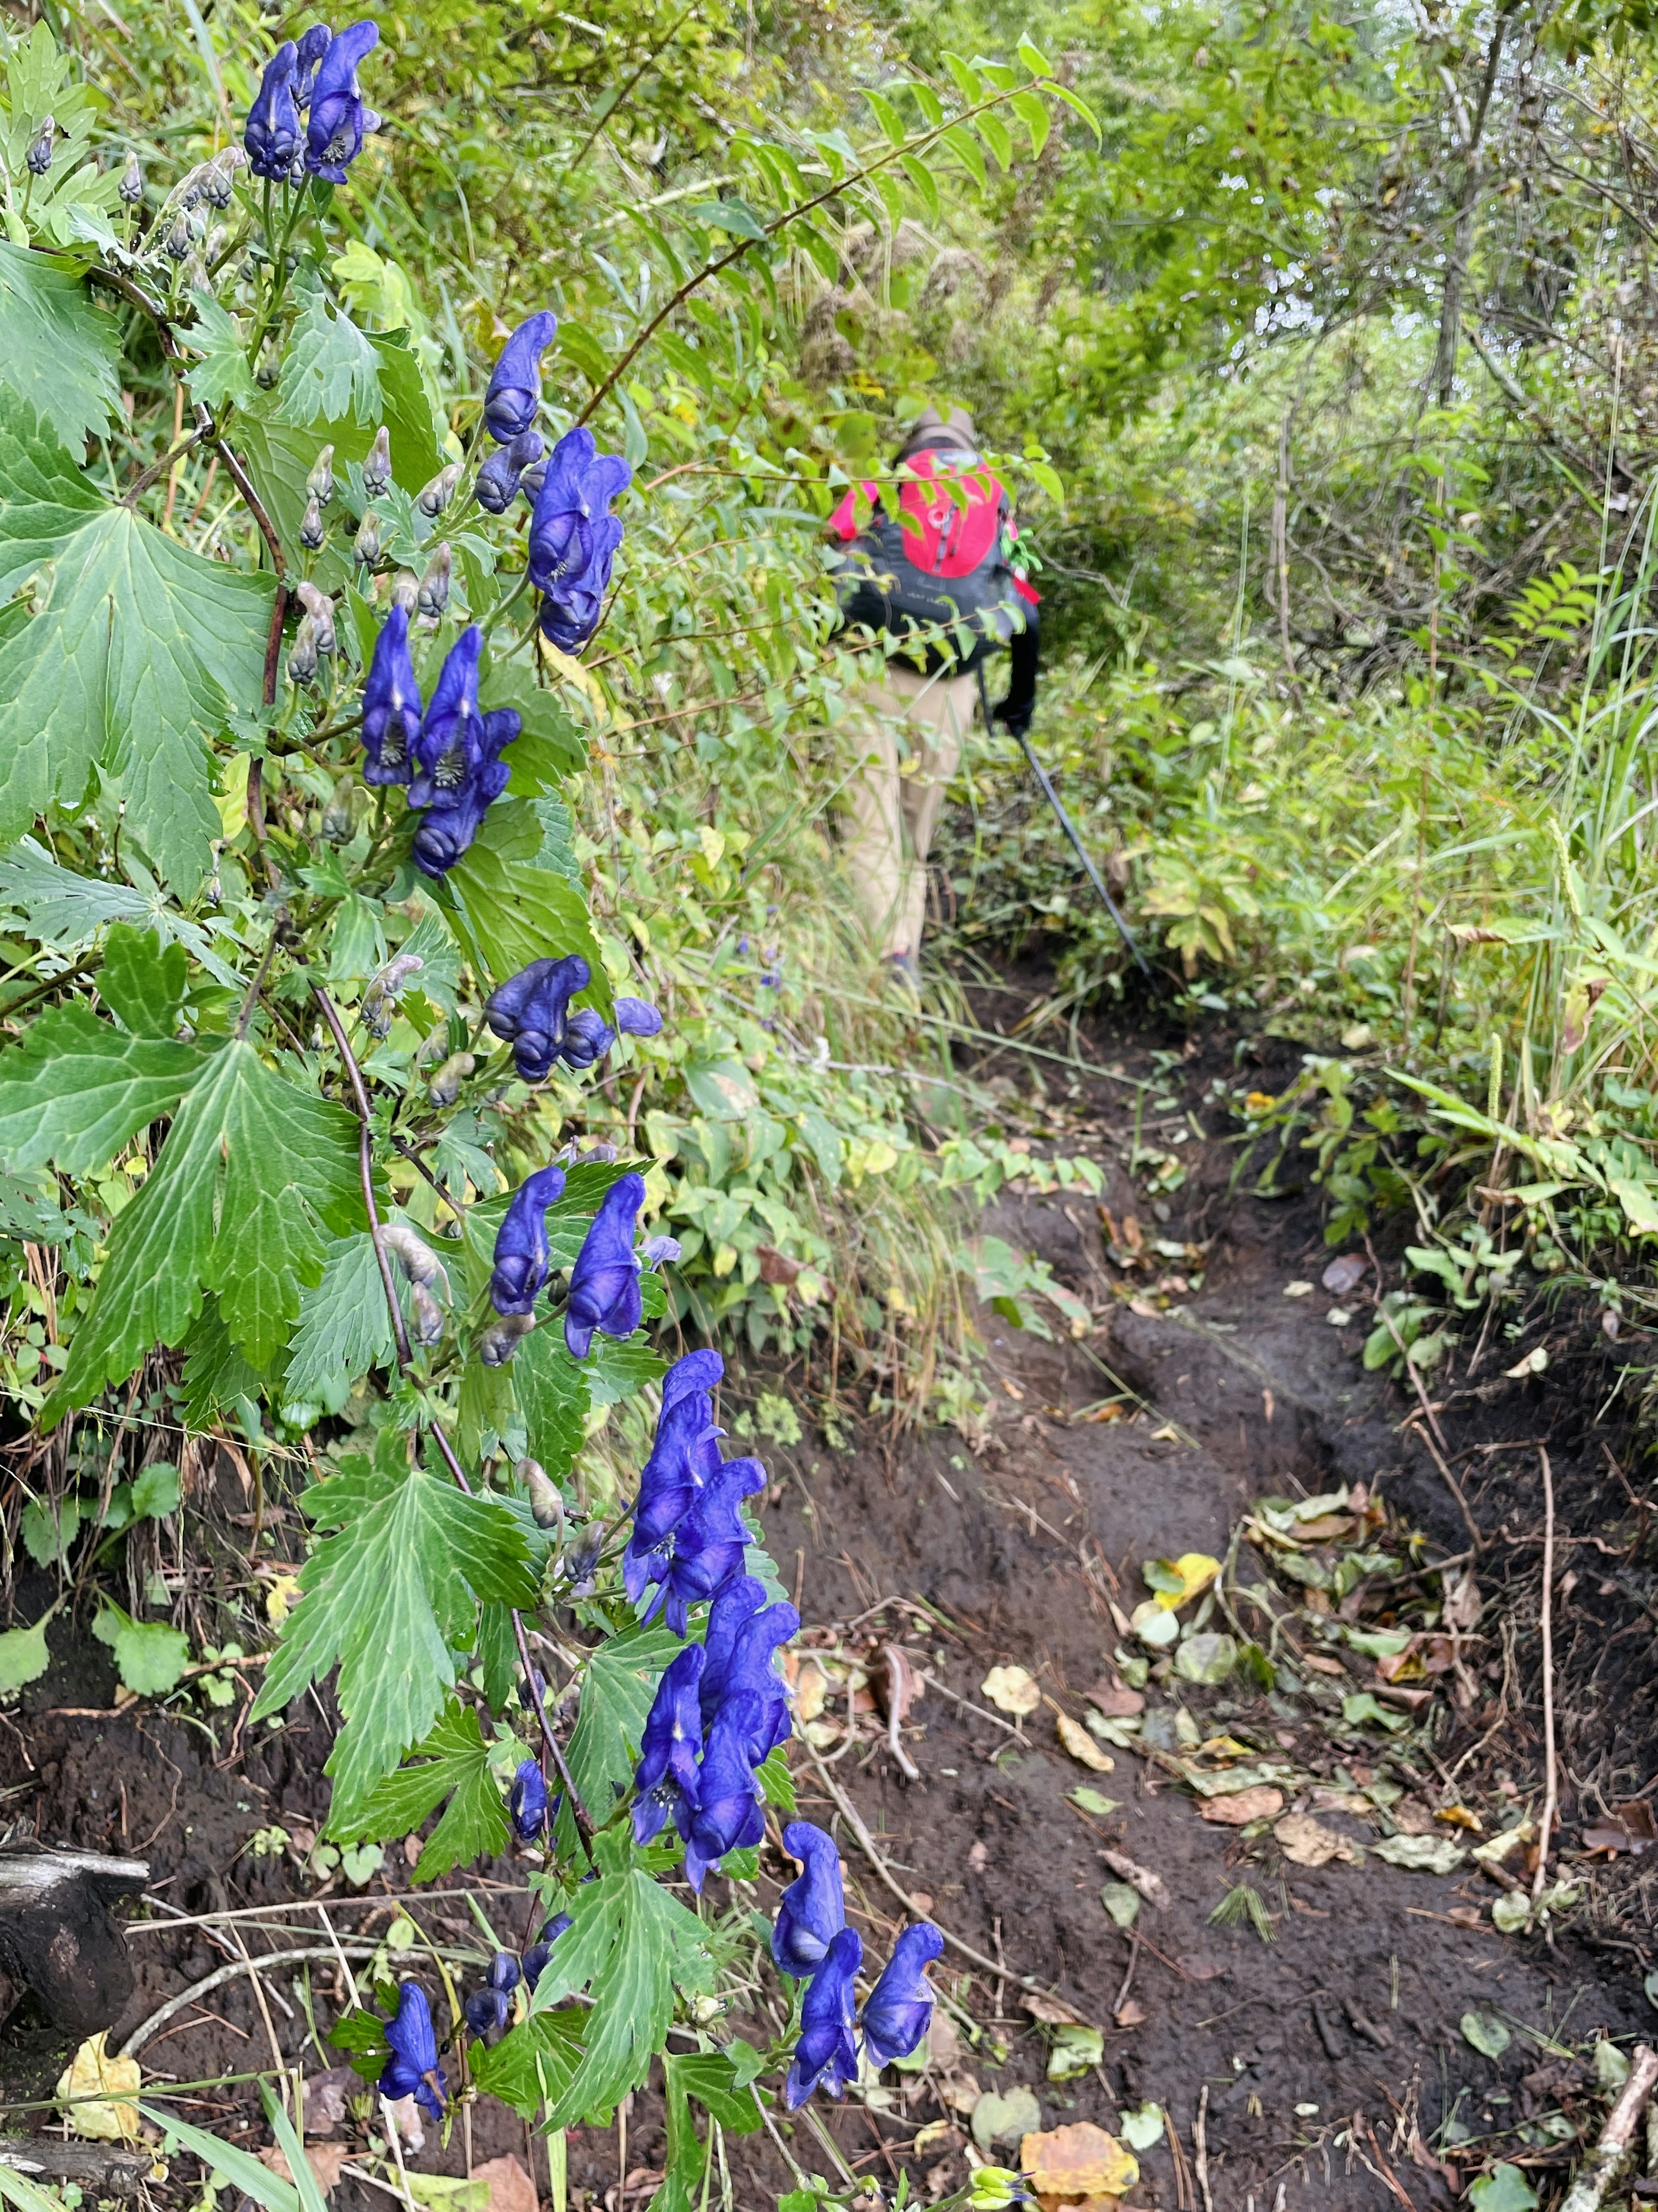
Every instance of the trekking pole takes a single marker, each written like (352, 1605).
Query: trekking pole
(1067, 825)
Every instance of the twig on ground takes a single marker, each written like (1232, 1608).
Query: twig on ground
(1610, 2155)
(146, 2029)
(1121, 1997)
(1551, 1796)
(1201, 2138)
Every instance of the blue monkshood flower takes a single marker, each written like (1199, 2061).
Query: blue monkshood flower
(338, 120)
(489, 2009)
(569, 614)
(826, 2056)
(731, 1612)
(667, 1776)
(314, 44)
(540, 1951)
(573, 537)
(530, 1011)
(637, 1017)
(272, 135)
(519, 1273)
(708, 1546)
(684, 1454)
(604, 1281)
(659, 1252)
(899, 2008)
(412, 2068)
(460, 770)
(589, 1038)
(812, 1909)
(729, 1814)
(390, 705)
(498, 480)
(515, 392)
(527, 1802)
(746, 1668)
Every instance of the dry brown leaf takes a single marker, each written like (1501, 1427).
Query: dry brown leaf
(1115, 1699)
(1197, 1968)
(1150, 1886)
(1308, 1843)
(1131, 2014)
(895, 1681)
(1054, 2010)
(1262, 1802)
(511, 2188)
(1463, 1605)
(1327, 1529)
(1010, 1690)
(1081, 1746)
(324, 2161)
(1627, 1827)
(1078, 2161)
(960, 2091)
(1411, 1817)
(1321, 1663)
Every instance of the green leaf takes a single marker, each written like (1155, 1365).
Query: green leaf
(1487, 2033)
(288, 2141)
(58, 351)
(76, 1089)
(345, 1329)
(454, 1763)
(968, 81)
(238, 2167)
(732, 215)
(551, 745)
(921, 176)
(149, 1656)
(1032, 111)
(68, 911)
(776, 1782)
(1034, 58)
(711, 2080)
(221, 372)
(995, 132)
(616, 1690)
(551, 1390)
(216, 1375)
(1504, 2188)
(629, 1943)
(1080, 106)
(332, 369)
(533, 2063)
(887, 115)
(23, 1656)
(130, 663)
(962, 144)
(412, 1557)
(156, 1491)
(621, 1367)
(143, 984)
(507, 912)
(253, 1173)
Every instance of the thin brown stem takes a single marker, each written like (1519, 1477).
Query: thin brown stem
(245, 1019)
(1550, 1796)
(158, 469)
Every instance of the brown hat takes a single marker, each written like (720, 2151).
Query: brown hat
(930, 429)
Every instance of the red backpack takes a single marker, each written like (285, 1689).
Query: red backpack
(940, 572)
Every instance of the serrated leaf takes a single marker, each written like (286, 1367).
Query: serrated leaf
(77, 1089)
(551, 1390)
(331, 371)
(23, 1656)
(621, 1367)
(129, 664)
(711, 2079)
(629, 1943)
(60, 351)
(253, 1174)
(149, 1656)
(616, 1690)
(220, 371)
(216, 1375)
(508, 912)
(404, 1574)
(454, 1763)
(142, 982)
(67, 911)
(533, 2063)
(550, 747)
(431, 943)
(345, 1329)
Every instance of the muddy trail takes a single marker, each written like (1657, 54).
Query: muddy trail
(1222, 1900)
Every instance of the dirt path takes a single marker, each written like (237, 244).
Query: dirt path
(1332, 2055)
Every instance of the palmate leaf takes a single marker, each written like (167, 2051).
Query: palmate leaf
(616, 1690)
(532, 2065)
(129, 662)
(390, 1599)
(77, 1089)
(332, 369)
(345, 1329)
(454, 1763)
(59, 350)
(552, 1396)
(629, 1943)
(253, 1174)
(220, 371)
(142, 982)
(711, 2079)
(57, 907)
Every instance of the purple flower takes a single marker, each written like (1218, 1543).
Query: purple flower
(604, 1281)
(520, 1268)
(729, 1815)
(527, 1802)
(684, 1456)
(529, 1012)
(569, 615)
(515, 392)
(708, 1547)
(489, 2009)
(811, 1912)
(314, 44)
(740, 1659)
(667, 1776)
(412, 2068)
(540, 1951)
(573, 536)
(899, 2008)
(660, 1251)
(497, 485)
(272, 135)
(338, 120)
(391, 704)
(458, 751)
(637, 1017)
(586, 1039)
(826, 2054)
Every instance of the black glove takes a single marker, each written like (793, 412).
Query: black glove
(1014, 713)
(1020, 703)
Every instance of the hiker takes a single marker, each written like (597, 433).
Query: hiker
(918, 589)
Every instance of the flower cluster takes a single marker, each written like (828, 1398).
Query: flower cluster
(812, 1941)
(573, 537)
(604, 1293)
(449, 755)
(719, 1711)
(531, 1011)
(689, 1539)
(316, 79)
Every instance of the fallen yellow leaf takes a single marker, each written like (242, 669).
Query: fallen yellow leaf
(1306, 1842)
(95, 2091)
(281, 1598)
(1196, 1571)
(1078, 2162)
(1261, 1802)
(1081, 1746)
(1010, 1690)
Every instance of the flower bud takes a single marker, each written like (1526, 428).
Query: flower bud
(405, 591)
(302, 661)
(338, 820)
(220, 181)
(500, 1339)
(265, 376)
(312, 529)
(132, 182)
(433, 596)
(377, 468)
(320, 608)
(38, 159)
(177, 243)
(196, 276)
(433, 497)
(445, 1086)
(387, 988)
(320, 481)
(429, 1316)
(365, 545)
(414, 1255)
(545, 1503)
(582, 1561)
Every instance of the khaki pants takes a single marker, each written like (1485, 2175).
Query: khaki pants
(907, 732)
